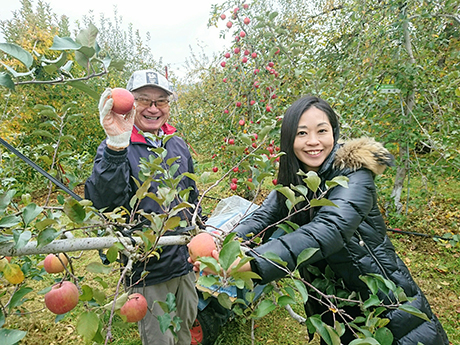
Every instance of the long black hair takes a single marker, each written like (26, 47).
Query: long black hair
(289, 164)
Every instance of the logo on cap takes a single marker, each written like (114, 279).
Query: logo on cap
(152, 78)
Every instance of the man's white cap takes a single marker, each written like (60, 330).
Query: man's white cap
(148, 77)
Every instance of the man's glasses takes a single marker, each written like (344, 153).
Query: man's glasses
(161, 103)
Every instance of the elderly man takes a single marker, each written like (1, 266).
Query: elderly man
(111, 185)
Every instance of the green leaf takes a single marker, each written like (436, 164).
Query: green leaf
(21, 238)
(98, 267)
(338, 180)
(165, 322)
(74, 210)
(207, 281)
(11, 336)
(18, 296)
(18, 53)
(87, 37)
(9, 221)
(64, 43)
(30, 212)
(272, 16)
(274, 257)
(87, 294)
(228, 254)
(288, 193)
(45, 223)
(306, 254)
(46, 236)
(285, 300)
(372, 301)
(6, 81)
(313, 181)
(42, 133)
(121, 300)
(384, 336)
(302, 290)
(371, 283)
(85, 88)
(265, 307)
(112, 253)
(224, 300)
(5, 200)
(414, 311)
(365, 341)
(172, 223)
(87, 324)
(321, 202)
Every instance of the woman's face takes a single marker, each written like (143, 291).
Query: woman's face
(314, 139)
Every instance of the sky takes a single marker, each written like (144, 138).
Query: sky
(174, 25)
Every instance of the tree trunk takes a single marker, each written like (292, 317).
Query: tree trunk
(404, 166)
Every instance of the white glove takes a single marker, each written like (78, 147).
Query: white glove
(117, 127)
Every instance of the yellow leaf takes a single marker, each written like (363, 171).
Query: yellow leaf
(13, 273)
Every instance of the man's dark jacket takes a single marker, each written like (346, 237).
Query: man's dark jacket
(111, 185)
(351, 238)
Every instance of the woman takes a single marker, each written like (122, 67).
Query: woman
(351, 238)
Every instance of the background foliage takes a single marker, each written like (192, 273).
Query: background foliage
(389, 68)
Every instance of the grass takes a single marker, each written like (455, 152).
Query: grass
(434, 266)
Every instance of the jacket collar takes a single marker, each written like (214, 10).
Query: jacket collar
(136, 137)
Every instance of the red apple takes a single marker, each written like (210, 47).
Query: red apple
(254, 55)
(201, 245)
(229, 24)
(62, 298)
(246, 52)
(223, 16)
(275, 181)
(268, 108)
(231, 141)
(234, 180)
(241, 122)
(224, 80)
(244, 59)
(237, 50)
(252, 102)
(135, 308)
(227, 55)
(256, 71)
(215, 169)
(223, 63)
(271, 64)
(53, 265)
(245, 6)
(123, 100)
(246, 21)
(274, 96)
(238, 104)
(233, 186)
(242, 34)
(236, 169)
(235, 10)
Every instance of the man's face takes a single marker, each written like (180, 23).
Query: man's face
(150, 118)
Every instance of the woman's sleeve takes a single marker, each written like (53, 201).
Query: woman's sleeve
(270, 212)
(330, 228)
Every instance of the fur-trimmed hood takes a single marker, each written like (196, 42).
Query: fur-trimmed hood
(363, 153)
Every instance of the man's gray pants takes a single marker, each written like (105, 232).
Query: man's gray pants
(186, 302)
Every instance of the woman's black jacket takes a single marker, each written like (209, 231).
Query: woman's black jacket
(351, 238)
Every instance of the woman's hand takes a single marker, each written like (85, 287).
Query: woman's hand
(206, 271)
